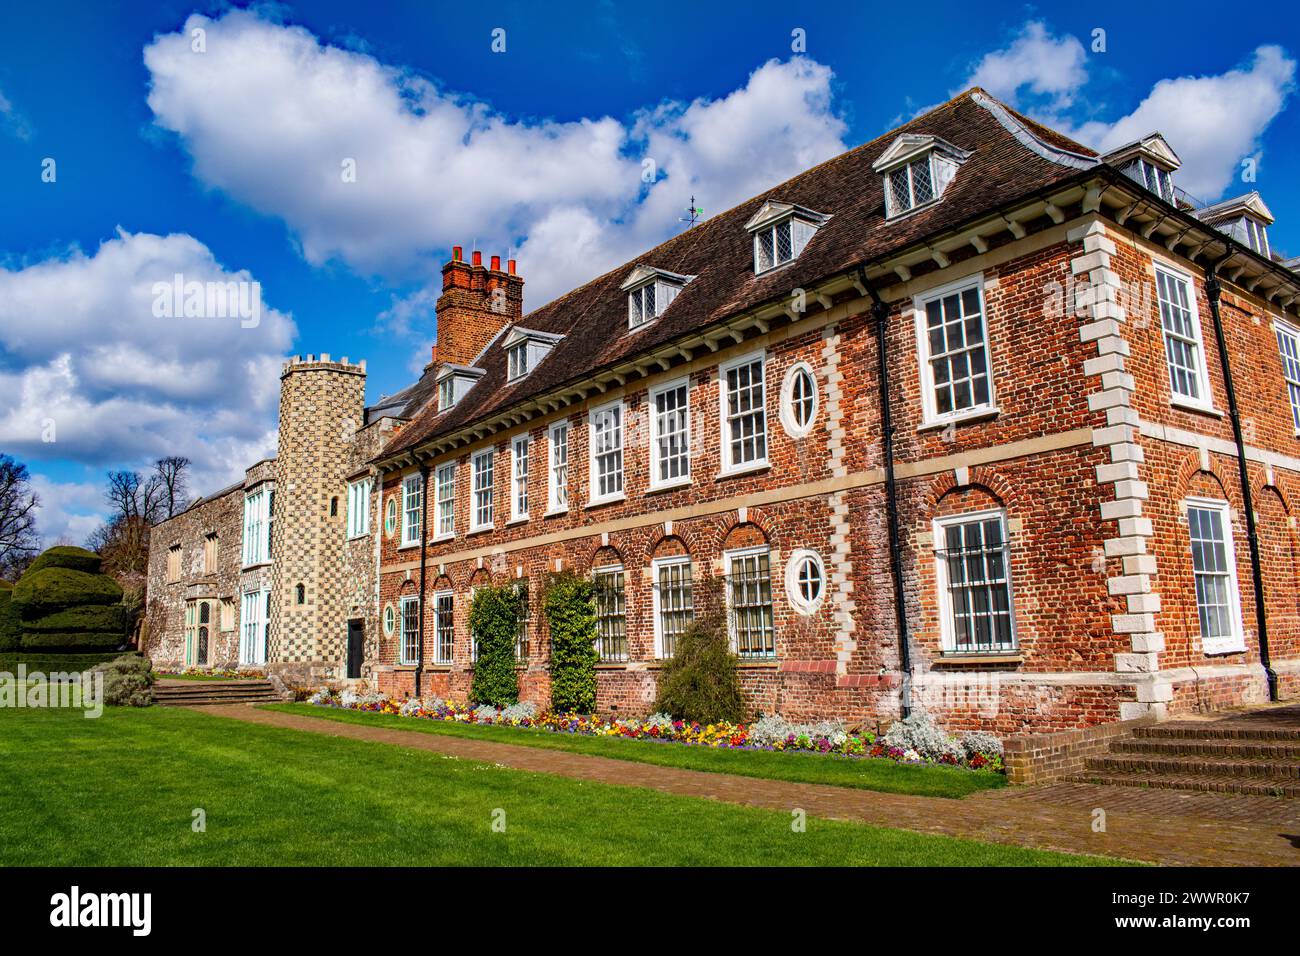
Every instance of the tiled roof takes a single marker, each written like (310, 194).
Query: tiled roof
(719, 252)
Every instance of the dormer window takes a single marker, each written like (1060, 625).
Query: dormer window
(1150, 162)
(453, 382)
(780, 231)
(916, 170)
(1245, 218)
(1256, 235)
(650, 292)
(525, 349)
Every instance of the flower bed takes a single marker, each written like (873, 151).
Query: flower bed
(905, 745)
(207, 673)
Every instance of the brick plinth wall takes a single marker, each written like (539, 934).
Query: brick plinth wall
(1043, 758)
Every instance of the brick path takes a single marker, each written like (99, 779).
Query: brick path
(1201, 829)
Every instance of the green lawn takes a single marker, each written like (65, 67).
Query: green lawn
(870, 774)
(121, 790)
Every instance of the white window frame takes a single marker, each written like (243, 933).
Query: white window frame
(1290, 367)
(729, 558)
(593, 457)
(1205, 402)
(929, 404)
(359, 507)
(730, 467)
(446, 393)
(412, 502)
(444, 485)
(402, 657)
(478, 490)
(793, 573)
(252, 620)
(770, 229)
(656, 449)
(789, 421)
(390, 620)
(948, 639)
(894, 211)
(655, 566)
(1235, 642)
(557, 487)
(520, 446)
(257, 527)
(438, 656)
(609, 570)
(517, 361)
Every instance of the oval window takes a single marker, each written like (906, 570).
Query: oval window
(390, 517)
(799, 400)
(390, 620)
(805, 581)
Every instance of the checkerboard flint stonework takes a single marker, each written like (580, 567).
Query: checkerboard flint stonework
(1086, 455)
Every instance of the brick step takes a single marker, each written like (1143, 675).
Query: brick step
(1199, 765)
(1256, 786)
(1220, 731)
(180, 694)
(1249, 748)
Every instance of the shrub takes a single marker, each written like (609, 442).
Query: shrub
(769, 731)
(524, 710)
(918, 732)
(700, 681)
(11, 631)
(571, 616)
(104, 618)
(71, 640)
(65, 556)
(51, 589)
(981, 743)
(494, 622)
(128, 681)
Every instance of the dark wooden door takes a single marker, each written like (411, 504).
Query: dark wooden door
(356, 647)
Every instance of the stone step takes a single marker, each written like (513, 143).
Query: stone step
(1196, 764)
(1258, 786)
(1275, 748)
(184, 693)
(1203, 730)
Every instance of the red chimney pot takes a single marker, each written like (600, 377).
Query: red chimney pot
(478, 258)
(457, 253)
(510, 266)
(496, 263)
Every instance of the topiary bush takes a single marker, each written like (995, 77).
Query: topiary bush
(494, 622)
(11, 629)
(66, 556)
(71, 640)
(108, 618)
(52, 589)
(701, 682)
(569, 605)
(128, 681)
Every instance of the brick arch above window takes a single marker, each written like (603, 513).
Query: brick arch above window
(670, 546)
(604, 556)
(988, 480)
(481, 578)
(443, 582)
(746, 534)
(1280, 487)
(1191, 480)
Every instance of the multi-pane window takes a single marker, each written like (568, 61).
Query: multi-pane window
(483, 490)
(523, 622)
(256, 620)
(744, 438)
(174, 563)
(1182, 330)
(749, 603)
(517, 358)
(641, 305)
(606, 430)
(773, 246)
(444, 480)
(1288, 343)
(1155, 178)
(611, 614)
(1256, 235)
(257, 527)
(412, 500)
(975, 583)
(558, 472)
(803, 398)
(670, 438)
(519, 477)
(673, 603)
(210, 552)
(446, 393)
(1215, 570)
(805, 581)
(910, 186)
(408, 642)
(444, 627)
(359, 508)
(957, 358)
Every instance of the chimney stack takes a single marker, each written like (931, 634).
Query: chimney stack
(476, 303)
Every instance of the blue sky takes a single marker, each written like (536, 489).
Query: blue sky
(219, 155)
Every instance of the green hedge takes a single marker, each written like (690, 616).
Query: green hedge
(89, 617)
(46, 662)
(701, 681)
(78, 640)
(11, 629)
(66, 556)
(494, 620)
(571, 616)
(57, 588)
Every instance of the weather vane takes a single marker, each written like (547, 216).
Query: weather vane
(693, 213)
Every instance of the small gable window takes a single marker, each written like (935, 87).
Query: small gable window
(454, 381)
(525, 349)
(1245, 218)
(916, 170)
(650, 292)
(1150, 162)
(781, 231)
(519, 361)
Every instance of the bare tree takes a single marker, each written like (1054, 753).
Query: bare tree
(172, 478)
(18, 504)
(123, 495)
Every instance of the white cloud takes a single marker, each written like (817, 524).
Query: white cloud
(68, 510)
(269, 114)
(86, 361)
(13, 121)
(1046, 66)
(1212, 122)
